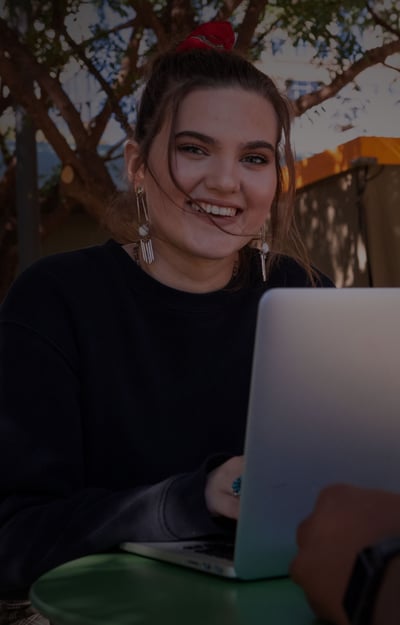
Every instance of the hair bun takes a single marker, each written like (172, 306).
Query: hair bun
(216, 35)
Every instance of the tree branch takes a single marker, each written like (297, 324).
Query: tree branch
(371, 57)
(5, 103)
(381, 22)
(4, 151)
(92, 185)
(25, 64)
(24, 94)
(112, 99)
(91, 180)
(149, 19)
(389, 66)
(104, 33)
(261, 37)
(178, 17)
(123, 85)
(229, 6)
(176, 13)
(249, 24)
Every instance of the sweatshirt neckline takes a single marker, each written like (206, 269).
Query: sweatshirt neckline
(140, 281)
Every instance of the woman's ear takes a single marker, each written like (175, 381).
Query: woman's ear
(134, 169)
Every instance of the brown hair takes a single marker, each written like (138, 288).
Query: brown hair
(174, 75)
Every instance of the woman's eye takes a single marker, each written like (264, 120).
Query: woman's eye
(191, 149)
(256, 159)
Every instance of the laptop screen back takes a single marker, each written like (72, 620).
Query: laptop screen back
(324, 408)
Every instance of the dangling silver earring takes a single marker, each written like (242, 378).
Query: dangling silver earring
(264, 249)
(146, 246)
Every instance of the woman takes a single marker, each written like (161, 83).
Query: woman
(125, 368)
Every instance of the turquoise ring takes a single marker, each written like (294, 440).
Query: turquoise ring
(236, 486)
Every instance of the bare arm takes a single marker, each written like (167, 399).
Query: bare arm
(345, 520)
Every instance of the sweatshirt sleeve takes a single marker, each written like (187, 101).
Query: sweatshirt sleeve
(48, 514)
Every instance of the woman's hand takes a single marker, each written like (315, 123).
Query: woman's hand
(218, 493)
(345, 520)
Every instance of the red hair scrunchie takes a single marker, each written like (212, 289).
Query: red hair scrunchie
(217, 35)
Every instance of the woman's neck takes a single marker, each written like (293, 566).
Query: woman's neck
(184, 273)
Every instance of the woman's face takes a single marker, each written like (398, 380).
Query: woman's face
(224, 158)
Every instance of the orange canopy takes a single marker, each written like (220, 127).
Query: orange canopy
(383, 151)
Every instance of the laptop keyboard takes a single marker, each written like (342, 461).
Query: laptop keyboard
(219, 550)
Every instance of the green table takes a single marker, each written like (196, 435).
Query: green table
(123, 589)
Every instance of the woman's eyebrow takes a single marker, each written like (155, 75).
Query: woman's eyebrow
(259, 143)
(250, 145)
(195, 135)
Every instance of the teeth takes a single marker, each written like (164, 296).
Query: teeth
(211, 209)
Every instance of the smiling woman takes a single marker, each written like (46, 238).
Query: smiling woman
(125, 367)
(213, 104)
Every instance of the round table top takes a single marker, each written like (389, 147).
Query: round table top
(123, 589)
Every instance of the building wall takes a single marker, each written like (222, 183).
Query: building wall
(351, 225)
(382, 206)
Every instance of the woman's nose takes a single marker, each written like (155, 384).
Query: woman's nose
(223, 176)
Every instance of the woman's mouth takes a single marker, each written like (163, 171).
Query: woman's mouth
(213, 209)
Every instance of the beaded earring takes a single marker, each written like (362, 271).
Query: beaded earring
(146, 245)
(263, 250)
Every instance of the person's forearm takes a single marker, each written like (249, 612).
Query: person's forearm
(89, 521)
(387, 605)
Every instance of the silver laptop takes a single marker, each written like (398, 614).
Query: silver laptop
(324, 407)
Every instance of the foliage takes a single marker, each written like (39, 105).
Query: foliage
(339, 26)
